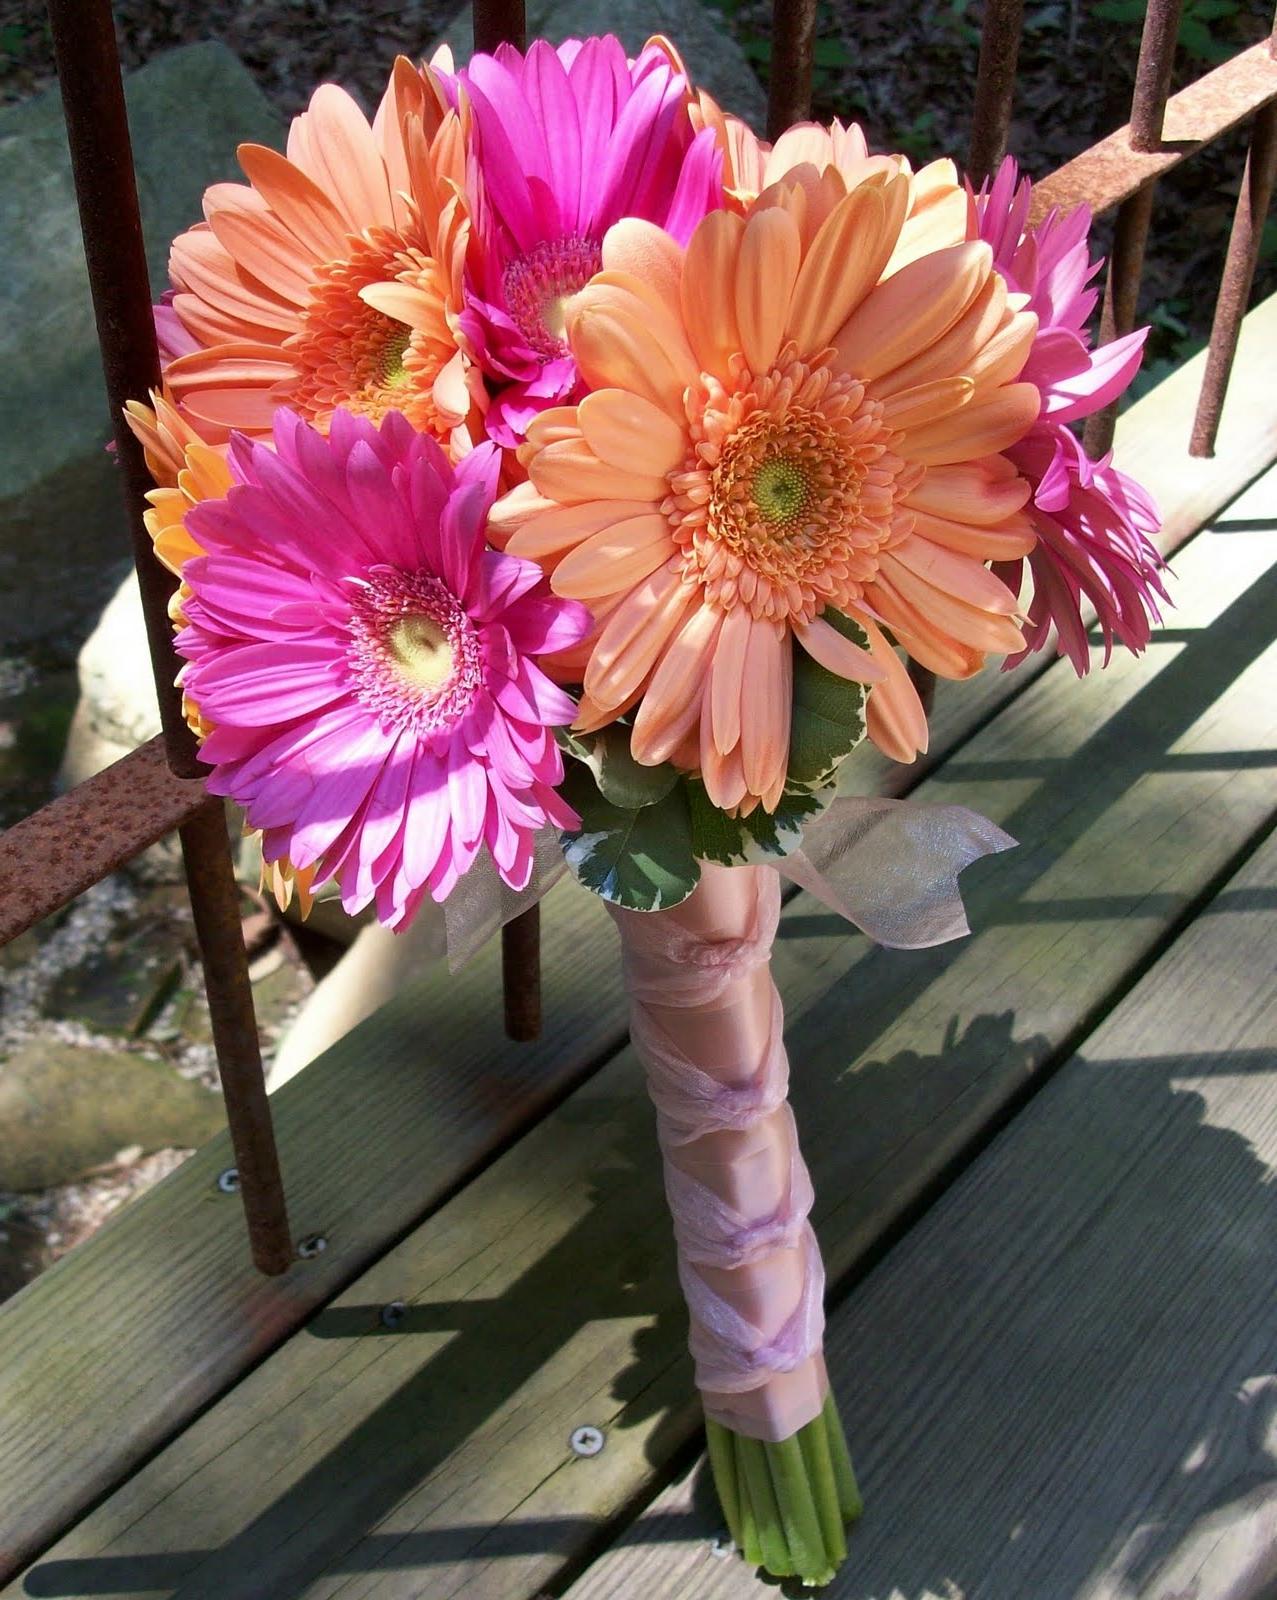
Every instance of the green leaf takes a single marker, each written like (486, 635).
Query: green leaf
(620, 778)
(829, 712)
(761, 836)
(639, 857)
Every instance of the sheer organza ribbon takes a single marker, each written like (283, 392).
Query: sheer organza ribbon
(889, 867)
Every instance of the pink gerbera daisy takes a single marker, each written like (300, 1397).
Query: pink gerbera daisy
(367, 664)
(566, 142)
(1093, 522)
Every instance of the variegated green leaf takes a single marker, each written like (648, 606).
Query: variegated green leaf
(762, 836)
(639, 857)
(620, 778)
(829, 711)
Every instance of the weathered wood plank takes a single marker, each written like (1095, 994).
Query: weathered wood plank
(104, 1355)
(431, 1457)
(1061, 1384)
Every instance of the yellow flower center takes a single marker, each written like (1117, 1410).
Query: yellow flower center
(415, 656)
(790, 490)
(780, 490)
(393, 373)
(420, 651)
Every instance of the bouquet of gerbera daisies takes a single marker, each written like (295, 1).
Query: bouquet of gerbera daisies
(550, 458)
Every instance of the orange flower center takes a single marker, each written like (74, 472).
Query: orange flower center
(790, 490)
(349, 354)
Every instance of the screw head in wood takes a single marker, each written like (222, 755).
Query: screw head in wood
(228, 1181)
(587, 1441)
(314, 1244)
(393, 1314)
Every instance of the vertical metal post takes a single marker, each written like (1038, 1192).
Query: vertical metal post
(1121, 298)
(499, 22)
(106, 191)
(1126, 264)
(1239, 270)
(789, 92)
(215, 904)
(102, 165)
(1153, 74)
(995, 87)
(521, 974)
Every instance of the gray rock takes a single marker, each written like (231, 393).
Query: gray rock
(67, 1109)
(63, 547)
(713, 57)
(118, 709)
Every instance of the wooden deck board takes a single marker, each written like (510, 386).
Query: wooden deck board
(1062, 1384)
(106, 1353)
(432, 1458)
(159, 1314)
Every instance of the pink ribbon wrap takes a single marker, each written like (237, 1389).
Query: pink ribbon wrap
(706, 1020)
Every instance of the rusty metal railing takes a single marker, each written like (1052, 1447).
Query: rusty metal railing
(52, 856)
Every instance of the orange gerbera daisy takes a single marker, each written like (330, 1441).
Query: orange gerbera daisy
(187, 470)
(331, 277)
(777, 431)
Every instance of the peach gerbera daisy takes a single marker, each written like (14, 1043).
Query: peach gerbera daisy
(331, 277)
(777, 432)
(939, 210)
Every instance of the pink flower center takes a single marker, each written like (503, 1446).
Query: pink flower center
(537, 287)
(414, 652)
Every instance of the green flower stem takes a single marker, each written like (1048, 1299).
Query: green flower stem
(820, 1472)
(722, 1458)
(787, 1503)
(796, 1501)
(751, 1462)
(746, 1536)
(849, 1499)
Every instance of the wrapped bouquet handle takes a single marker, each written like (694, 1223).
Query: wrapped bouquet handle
(706, 1019)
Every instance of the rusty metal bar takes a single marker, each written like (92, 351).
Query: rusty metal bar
(210, 876)
(503, 22)
(1153, 74)
(68, 845)
(793, 37)
(521, 975)
(1121, 299)
(106, 190)
(1000, 36)
(995, 87)
(1126, 263)
(1111, 171)
(1239, 270)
